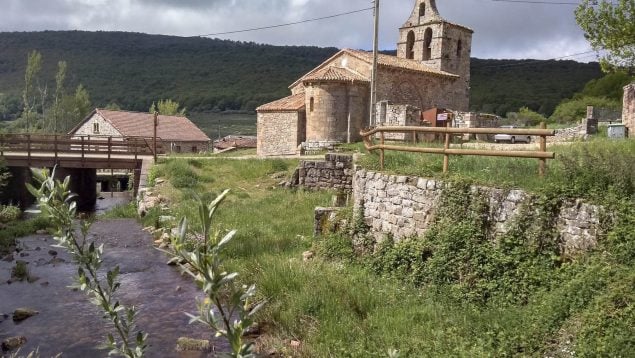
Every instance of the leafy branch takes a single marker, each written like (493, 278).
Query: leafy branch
(227, 307)
(56, 202)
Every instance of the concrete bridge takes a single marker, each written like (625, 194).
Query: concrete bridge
(78, 157)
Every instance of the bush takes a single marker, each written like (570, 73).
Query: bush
(9, 213)
(574, 110)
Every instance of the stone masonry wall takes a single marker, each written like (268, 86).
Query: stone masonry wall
(278, 132)
(389, 114)
(628, 110)
(404, 207)
(335, 172)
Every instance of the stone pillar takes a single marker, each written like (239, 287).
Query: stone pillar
(83, 183)
(628, 110)
(591, 121)
(16, 192)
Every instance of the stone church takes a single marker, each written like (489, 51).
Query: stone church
(330, 104)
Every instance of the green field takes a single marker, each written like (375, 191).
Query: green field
(226, 123)
(514, 299)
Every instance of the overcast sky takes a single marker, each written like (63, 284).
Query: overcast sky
(502, 29)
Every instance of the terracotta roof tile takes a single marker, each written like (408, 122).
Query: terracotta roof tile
(139, 124)
(332, 73)
(399, 63)
(291, 103)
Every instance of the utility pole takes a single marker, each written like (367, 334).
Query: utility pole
(373, 80)
(154, 136)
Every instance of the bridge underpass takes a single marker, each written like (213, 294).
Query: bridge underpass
(77, 157)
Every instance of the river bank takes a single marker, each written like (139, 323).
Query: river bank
(68, 323)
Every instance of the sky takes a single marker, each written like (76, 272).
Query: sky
(501, 29)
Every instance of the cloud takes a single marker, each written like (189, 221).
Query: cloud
(502, 30)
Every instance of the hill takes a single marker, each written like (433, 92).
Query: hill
(133, 69)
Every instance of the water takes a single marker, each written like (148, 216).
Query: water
(68, 323)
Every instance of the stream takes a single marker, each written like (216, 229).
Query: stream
(68, 323)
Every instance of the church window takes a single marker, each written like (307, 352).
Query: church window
(422, 10)
(427, 44)
(410, 44)
(311, 104)
(459, 48)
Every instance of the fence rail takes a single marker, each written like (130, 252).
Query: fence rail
(82, 146)
(541, 154)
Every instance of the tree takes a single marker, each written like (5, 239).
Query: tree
(167, 107)
(610, 27)
(33, 67)
(60, 77)
(74, 108)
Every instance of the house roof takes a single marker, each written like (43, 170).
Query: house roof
(292, 103)
(140, 124)
(231, 141)
(336, 74)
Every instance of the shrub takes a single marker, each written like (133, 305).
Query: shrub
(9, 213)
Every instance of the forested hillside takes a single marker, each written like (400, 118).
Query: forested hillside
(133, 70)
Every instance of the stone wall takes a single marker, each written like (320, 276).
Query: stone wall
(336, 111)
(389, 114)
(404, 206)
(104, 128)
(279, 132)
(335, 172)
(628, 110)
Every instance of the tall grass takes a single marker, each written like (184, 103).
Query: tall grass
(337, 308)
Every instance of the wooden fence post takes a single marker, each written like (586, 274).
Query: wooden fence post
(446, 146)
(543, 148)
(28, 144)
(381, 153)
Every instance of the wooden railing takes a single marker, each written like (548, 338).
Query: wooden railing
(80, 146)
(541, 154)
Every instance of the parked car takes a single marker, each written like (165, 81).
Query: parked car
(513, 138)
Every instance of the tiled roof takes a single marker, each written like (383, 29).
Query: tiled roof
(236, 142)
(332, 73)
(292, 103)
(139, 124)
(396, 62)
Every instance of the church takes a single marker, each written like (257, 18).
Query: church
(331, 103)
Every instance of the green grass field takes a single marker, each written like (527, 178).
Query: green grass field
(226, 123)
(340, 307)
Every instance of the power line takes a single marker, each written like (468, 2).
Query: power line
(288, 24)
(539, 61)
(540, 2)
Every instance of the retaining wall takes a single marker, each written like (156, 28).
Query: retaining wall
(404, 206)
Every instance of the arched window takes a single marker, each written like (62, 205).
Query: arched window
(311, 104)
(422, 10)
(427, 44)
(410, 45)
(459, 48)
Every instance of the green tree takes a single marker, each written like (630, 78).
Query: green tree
(610, 26)
(610, 86)
(60, 77)
(34, 65)
(574, 110)
(74, 108)
(527, 117)
(167, 107)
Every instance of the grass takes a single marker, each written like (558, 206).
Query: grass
(339, 308)
(227, 123)
(610, 160)
(17, 229)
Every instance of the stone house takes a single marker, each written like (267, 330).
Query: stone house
(176, 134)
(331, 103)
(628, 110)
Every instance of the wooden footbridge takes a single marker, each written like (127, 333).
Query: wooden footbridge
(75, 156)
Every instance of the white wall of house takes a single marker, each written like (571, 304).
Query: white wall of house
(97, 126)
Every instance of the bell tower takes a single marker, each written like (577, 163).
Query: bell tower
(428, 38)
